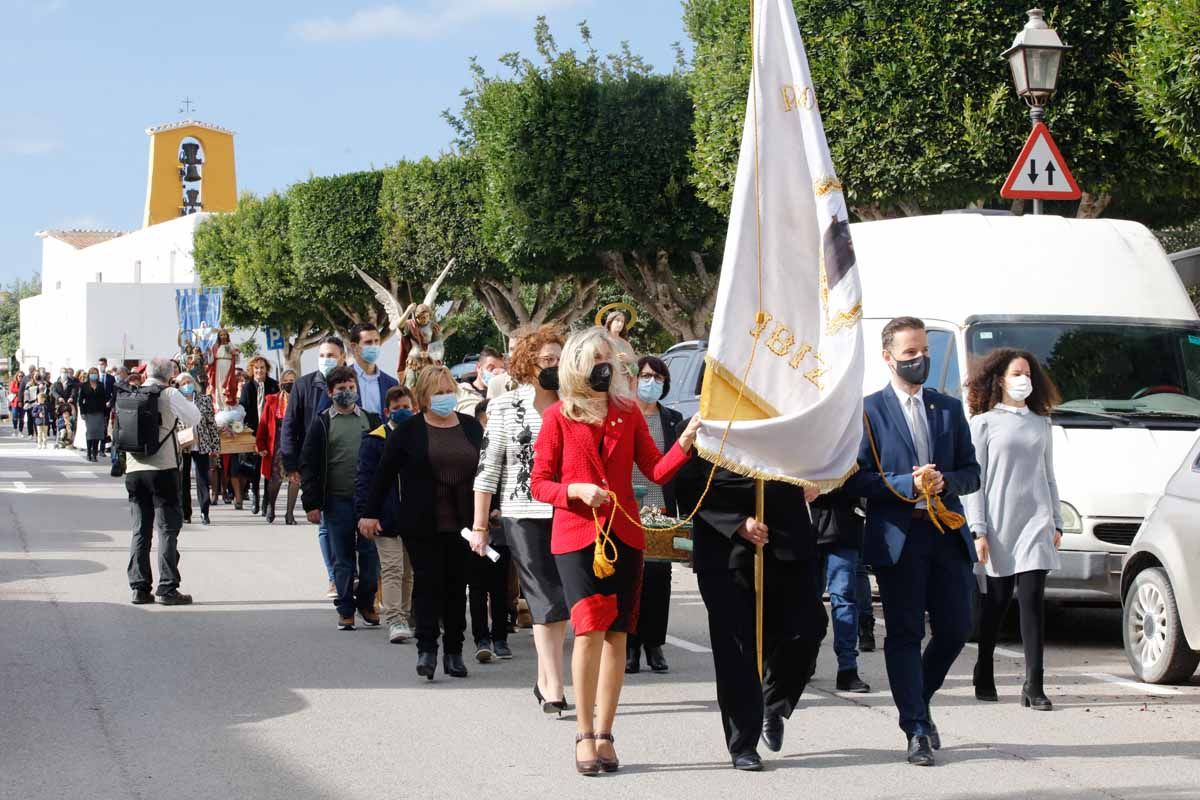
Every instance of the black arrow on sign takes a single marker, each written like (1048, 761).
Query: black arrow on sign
(1050, 174)
(1033, 175)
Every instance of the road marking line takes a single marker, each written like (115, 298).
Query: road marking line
(19, 486)
(15, 474)
(691, 603)
(1003, 651)
(1148, 688)
(78, 473)
(691, 647)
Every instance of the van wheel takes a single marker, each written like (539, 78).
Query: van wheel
(1154, 640)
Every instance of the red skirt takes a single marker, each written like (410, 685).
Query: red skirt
(602, 604)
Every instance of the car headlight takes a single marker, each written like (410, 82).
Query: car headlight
(1071, 521)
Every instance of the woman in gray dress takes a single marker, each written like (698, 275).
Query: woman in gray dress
(1015, 515)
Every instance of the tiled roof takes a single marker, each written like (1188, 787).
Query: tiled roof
(187, 123)
(81, 239)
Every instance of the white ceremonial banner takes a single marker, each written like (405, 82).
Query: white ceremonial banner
(789, 303)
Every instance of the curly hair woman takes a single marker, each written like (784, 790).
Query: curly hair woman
(1015, 514)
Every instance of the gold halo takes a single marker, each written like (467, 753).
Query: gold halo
(603, 312)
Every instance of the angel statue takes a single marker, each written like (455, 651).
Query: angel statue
(419, 332)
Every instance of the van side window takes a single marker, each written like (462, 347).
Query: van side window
(943, 363)
(677, 366)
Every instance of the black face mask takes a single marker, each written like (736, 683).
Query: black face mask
(601, 378)
(286, 387)
(914, 371)
(548, 379)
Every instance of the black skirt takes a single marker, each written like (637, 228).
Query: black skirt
(602, 604)
(529, 540)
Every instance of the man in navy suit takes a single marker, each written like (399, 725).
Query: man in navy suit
(110, 389)
(924, 446)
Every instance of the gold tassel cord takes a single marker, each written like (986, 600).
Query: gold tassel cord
(939, 515)
(602, 565)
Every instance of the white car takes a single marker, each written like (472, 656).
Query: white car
(1160, 583)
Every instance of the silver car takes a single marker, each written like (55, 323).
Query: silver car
(1160, 583)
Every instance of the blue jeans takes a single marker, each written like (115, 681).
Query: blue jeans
(840, 567)
(351, 554)
(326, 547)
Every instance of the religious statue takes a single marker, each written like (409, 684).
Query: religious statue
(617, 318)
(222, 371)
(420, 334)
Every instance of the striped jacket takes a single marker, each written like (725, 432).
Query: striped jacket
(506, 458)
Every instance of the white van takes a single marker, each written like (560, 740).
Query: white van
(1099, 304)
(1102, 308)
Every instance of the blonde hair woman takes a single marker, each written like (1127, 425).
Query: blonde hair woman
(434, 455)
(583, 467)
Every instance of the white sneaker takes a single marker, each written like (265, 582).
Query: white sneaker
(398, 633)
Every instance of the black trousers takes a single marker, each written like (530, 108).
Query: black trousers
(154, 505)
(656, 607)
(489, 589)
(440, 564)
(203, 496)
(1031, 597)
(794, 623)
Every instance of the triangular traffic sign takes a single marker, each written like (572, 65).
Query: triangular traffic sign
(1041, 172)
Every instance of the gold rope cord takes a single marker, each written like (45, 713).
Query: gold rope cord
(938, 513)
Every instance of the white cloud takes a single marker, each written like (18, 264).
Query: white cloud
(432, 19)
(27, 147)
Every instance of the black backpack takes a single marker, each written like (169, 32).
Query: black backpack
(138, 420)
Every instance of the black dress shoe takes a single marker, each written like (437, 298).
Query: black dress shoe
(655, 659)
(772, 733)
(289, 519)
(452, 665)
(848, 681)
(426, 664)
(256, 509)
(142, 597)
(633, 661)
(175, 598)
(920, 751)
(187, 520)
(205, 519)
(748, 762)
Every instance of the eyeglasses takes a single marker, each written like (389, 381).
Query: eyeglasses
(658, 378)
(548, 361)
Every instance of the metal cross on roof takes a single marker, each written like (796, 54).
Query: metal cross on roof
(186, 106)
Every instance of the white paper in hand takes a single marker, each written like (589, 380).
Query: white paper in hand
(491, 553)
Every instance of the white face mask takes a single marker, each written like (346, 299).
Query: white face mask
(1019, 387)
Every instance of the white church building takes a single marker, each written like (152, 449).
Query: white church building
(107, 293)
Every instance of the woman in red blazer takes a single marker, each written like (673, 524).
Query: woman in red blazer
(584, 455)
(267, 439)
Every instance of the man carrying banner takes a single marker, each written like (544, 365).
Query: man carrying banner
(916, 460)
(782, 397)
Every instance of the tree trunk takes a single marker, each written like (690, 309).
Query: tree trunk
(564, 300)
(686, 315)
(296, 343)
(1091, 206)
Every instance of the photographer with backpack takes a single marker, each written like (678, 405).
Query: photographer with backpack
(148, 419)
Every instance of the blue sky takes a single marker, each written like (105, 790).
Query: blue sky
(309, 87)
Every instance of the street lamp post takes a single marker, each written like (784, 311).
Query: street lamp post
(1034, 58)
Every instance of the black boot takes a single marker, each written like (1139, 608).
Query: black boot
(452, 665)
(655, 659)
(985, 681)
(633, 659)
(866, 635)
(257, 509)
(1033, 695)
(426, 665)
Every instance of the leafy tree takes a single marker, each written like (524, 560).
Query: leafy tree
(10, 314)
(248, 251)
(1164, 70)
(920, 111)
(586, 174)
(334, 226)
(432, 211)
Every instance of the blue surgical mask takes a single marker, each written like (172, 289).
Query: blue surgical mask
(649, 390)
(443, 404)
(92, 376)
(487, 377)
(399, 415)
(326, 365)
(188, 389)
(370, 353)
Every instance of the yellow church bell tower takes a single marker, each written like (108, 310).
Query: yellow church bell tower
(191, 169)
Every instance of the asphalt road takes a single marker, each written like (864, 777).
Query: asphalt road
(252, 693)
